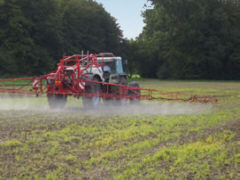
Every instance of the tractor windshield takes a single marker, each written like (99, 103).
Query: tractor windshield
(114, 66)
(119, 67)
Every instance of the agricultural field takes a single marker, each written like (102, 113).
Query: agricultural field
(160, 140)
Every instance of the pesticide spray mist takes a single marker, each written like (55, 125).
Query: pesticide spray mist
(163, 108)
(29, 103)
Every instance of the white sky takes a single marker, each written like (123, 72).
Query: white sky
(128, 15)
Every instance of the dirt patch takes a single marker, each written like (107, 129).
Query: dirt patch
(233, 126)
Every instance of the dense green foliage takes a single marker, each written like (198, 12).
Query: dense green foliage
(189, 39)
(182, 39)
(35, 34)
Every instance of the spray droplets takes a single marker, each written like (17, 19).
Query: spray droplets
(27, 103)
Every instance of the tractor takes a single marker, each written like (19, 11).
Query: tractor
(94, 77)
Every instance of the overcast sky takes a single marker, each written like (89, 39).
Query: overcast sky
(128, 15)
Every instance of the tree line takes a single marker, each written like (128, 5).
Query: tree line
(182, 39)
(189, 39)
(35, 34)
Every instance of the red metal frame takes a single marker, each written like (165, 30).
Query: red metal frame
(68, 84)
(10, 86)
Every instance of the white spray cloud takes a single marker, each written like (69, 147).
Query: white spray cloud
(27, 103)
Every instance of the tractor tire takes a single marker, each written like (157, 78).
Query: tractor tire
(116, 91)
(121, 101)
(134, 100)
(94, 101)
(56, 101)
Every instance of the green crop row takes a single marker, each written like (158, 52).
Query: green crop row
(38, 143)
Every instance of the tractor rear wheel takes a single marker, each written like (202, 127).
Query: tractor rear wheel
(56, 101)
(134, 93)
(92, 99)
(116, 90)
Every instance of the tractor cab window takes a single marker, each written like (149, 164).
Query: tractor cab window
(110, 67)
(114, 66)
(119, 67)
